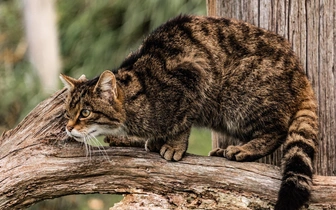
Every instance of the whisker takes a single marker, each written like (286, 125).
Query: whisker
(86, 146)
(100, 147)
(89, 146)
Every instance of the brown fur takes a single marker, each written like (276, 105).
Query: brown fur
(217, 73)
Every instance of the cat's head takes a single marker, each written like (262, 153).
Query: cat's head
(93, 107)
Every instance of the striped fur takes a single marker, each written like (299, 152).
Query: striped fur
(218, 73)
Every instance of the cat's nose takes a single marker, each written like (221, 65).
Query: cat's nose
(69, 128)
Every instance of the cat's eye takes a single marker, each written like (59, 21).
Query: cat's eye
(85, 113)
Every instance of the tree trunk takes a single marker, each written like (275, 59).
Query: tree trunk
(38, 162)
(41, 33)
(310, 26)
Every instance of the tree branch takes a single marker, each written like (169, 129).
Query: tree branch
(38, 162)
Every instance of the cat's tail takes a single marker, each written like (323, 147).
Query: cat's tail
(297, 163)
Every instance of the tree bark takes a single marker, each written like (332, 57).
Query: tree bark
(311, 28)
(38, 162)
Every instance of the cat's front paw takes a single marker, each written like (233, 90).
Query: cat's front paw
(172, 153)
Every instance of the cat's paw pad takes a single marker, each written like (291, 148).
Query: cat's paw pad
(170, 153)
(236, 153)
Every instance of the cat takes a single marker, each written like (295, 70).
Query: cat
(223, 74)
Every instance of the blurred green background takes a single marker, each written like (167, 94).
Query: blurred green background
(93, 36)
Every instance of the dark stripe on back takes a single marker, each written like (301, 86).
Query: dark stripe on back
(204, 28)
(237, 48)
(189, 33)
(222, 40)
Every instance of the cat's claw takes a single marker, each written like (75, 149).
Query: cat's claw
(170, 153)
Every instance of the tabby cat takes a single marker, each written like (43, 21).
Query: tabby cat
(226, 75)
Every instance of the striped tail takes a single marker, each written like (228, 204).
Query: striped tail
(297, 163)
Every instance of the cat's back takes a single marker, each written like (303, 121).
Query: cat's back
(215, 62)
(215, 37)
(211, 57)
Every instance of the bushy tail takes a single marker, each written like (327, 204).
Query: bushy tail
(297, 163)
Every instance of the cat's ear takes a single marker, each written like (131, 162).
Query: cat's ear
(82, 78)
(68, 82)
(106, 85)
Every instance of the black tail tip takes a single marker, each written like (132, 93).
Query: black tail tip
(292, 197)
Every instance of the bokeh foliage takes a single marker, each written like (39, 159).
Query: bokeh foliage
(19, 86)
(94, 35)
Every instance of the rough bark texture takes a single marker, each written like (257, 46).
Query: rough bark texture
(38, 162)
(310, 26)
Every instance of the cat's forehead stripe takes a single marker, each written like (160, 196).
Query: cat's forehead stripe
(74, 99)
